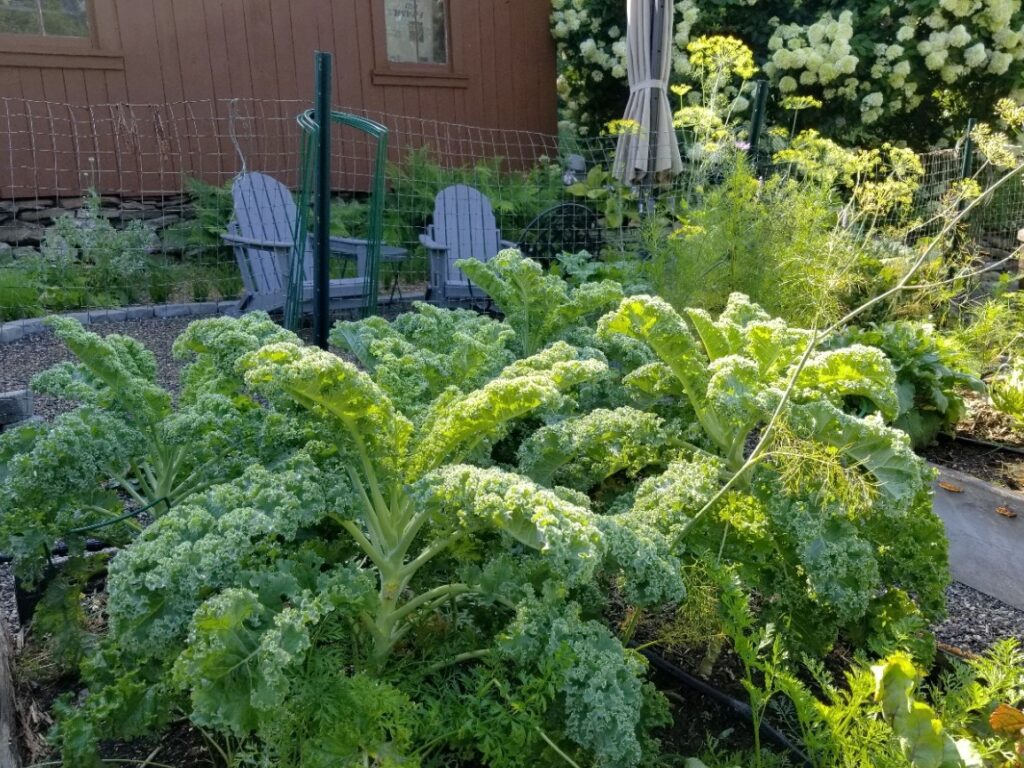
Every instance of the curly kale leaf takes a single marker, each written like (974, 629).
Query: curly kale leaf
(215, 347)
(116, 373)
(869, 446)
(649, 573)
(473, 499)
(931, 371)
(581, 452)
(600, 681)
(156, 585)
(855, 371)
(539, 307)
(240, 656)
(457, 424)
(839, 565)
(656, 323)
(338, 390)
(51, 482)
(421, 353)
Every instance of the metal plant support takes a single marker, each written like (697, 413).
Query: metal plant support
(314, 181)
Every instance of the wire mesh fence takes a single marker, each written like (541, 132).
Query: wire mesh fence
(114, 205)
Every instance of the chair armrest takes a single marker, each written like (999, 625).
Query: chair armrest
(253, 243)
(508, 244)
(431, 244)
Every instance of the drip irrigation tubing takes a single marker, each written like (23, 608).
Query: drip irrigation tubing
(738, 708)
(989, 444)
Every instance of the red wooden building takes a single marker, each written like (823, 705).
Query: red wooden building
(133, 93)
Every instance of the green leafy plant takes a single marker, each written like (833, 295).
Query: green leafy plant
(538, 307)
(388, 551)
(1007, 392)
(616, 201)
(19, 294)
(878, 714)
(931, 375)
(112, 261)
(199, 235)
(59, 480)
(792, 501)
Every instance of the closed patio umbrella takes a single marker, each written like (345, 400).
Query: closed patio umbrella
(652, 146)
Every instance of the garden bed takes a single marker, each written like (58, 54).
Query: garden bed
(974, 624)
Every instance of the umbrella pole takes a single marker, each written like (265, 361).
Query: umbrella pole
(657, 50)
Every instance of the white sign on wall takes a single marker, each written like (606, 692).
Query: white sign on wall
(416, 31)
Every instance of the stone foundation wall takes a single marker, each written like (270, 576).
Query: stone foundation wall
(23, 223)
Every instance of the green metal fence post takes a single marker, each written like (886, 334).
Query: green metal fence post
(322, 261)
(967, 162)
(757, 121)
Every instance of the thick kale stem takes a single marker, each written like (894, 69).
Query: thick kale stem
(409, 569)
(364, 543)
(369, 513)
(437, 595)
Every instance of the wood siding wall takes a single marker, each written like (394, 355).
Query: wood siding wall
(183, 52)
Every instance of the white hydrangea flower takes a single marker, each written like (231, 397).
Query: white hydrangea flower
(873, 99)
(787, 84)
(905, 33)
(1000, 62)
(976, 55)
(614, 32)
(847, 65)
(959, 36)
(936, 59)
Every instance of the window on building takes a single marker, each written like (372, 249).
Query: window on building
(417, 31)
(48, 18)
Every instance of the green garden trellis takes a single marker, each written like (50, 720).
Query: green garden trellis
(313, 173)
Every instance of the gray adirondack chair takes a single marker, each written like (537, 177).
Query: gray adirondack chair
(463, 228)
(262, 236)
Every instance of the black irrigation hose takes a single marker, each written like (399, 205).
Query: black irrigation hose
(93, 545)
(989, 444)
(738, 708)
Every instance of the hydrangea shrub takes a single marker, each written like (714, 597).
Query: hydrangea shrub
(909, 70)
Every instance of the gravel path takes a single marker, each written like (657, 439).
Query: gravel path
(23, 359)
(975, 620)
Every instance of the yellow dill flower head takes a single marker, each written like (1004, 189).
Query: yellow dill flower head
(797, 103)
(719, 55)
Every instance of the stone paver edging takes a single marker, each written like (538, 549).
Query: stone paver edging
(985, 527)
(19, 329)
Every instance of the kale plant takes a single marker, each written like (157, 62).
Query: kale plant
(831, 516)
(388, 557)
(931, 375)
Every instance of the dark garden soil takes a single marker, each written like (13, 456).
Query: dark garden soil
(986, 445)
(995, 465)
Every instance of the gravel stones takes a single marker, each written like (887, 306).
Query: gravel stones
(977, 620)
(21, 360)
